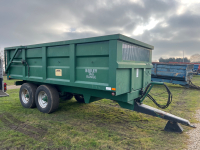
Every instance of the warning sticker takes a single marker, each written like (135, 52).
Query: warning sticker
(108, 88)
(137, 73)
(58, 72)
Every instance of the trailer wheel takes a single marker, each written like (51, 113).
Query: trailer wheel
(79, 98)
(27, 95)
(47, 98)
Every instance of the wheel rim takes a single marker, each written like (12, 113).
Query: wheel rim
(42, 99)
(25, 96)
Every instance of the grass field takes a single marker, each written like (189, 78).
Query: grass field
(9, 82)
(98, 125)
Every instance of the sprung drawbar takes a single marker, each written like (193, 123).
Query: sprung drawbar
(191, 85)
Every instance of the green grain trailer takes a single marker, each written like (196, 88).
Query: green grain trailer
(114, 67)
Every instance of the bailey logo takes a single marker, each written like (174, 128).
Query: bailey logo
(91, 73)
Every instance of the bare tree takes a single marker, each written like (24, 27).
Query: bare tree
(195, 58)
(172, 59)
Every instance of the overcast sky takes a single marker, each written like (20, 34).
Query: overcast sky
(171, 26)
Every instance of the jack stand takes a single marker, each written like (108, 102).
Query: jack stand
(173, 127)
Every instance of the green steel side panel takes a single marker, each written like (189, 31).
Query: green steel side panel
(89, 49)
(34, 60)
(58, 51)
(91, 63)
(15, 70)
(34, 52)
(61, 63)
(92, 69)
(51, 74)
(18, 55)
(147, 77)
(138, 78)
(58, 58)
(35, 65)
(123, 77)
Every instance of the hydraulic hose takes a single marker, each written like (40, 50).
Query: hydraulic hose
(146, 93)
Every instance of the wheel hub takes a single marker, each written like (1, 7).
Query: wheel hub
(42, 99)
(25, 96)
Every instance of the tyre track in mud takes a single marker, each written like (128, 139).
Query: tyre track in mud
(17, 125)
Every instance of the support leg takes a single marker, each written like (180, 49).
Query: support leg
(173, 127)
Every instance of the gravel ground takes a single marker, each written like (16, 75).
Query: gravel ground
(194, 141)
(9, 87)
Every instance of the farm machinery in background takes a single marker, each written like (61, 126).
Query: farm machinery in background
(196, 69)
(175, 73)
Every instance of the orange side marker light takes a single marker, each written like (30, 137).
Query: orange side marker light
(113, 89)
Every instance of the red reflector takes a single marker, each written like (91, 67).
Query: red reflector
(113, 93)
(5, 87)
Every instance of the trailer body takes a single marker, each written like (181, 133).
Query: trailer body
(97, 66)
(172, 73)
(114, 67)
(196, 67)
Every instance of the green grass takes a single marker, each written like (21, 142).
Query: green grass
(98, 125)
(9, 82)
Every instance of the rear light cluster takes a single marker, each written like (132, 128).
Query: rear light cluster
(5, 87)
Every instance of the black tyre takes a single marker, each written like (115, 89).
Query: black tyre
(27, 95)
(47, 98)
(79, 98)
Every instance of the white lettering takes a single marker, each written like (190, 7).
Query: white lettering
(91, 73)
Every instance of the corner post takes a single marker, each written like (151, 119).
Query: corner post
(72, 62)
(44, 62)
(24, 67)
(113, 45)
